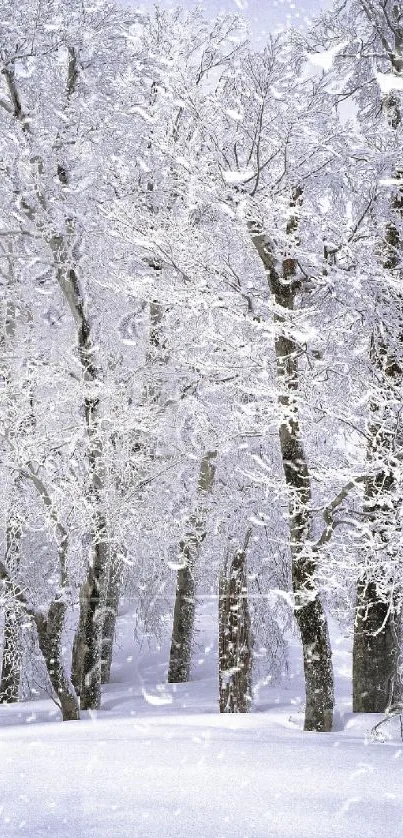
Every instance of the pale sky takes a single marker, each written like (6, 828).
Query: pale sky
(264, 15)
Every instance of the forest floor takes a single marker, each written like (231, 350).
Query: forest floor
(159, 760)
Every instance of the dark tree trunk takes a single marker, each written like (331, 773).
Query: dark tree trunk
(375, 652)
(87, 649)
(376, 646)
(90, 692)
(377, 635)
(11, 668)
(79, 644)
(110, 615)
(49, 630)
(185, 603)
(77, 657)
(235, 638)
(317, 654)
(64, 251)
(49, 637)
(12, 652)
(89, 639)
(309, 612)
(184, 616)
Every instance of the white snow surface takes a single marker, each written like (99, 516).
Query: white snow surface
(389, 81)
(159, 760)
(325, 59)
(238, 177)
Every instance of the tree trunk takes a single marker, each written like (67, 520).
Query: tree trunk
(309, 612)
(376, 646)
(49, 637)
(92, 589)
(49, 632)
(50, 629)
(12, 652)
(11, 667)
(235, 640)
(12, 656)
(375, 652)
(77, 657)
(377, 635)
(110, 615)
(105, 622)
(88, 640)
(184, 615)
(189, 550)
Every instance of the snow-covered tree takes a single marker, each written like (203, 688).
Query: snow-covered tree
(366, 38)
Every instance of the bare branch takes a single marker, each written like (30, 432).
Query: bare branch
(329, 510)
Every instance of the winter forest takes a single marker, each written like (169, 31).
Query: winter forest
(201, 429)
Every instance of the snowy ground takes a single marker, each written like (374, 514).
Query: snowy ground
(159, 761)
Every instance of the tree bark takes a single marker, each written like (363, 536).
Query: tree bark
(235, 639)
(108, 611)
(49, 637)
(309, 612)
(11, 666)
(50, 629)
(377, 629)
(89, 641)
(185, 603)
(377, 635)
(87, 650)
(375, 652)
(12, 652)
(110, 616)
(77, 657)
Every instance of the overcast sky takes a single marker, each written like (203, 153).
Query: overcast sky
(264, 15)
